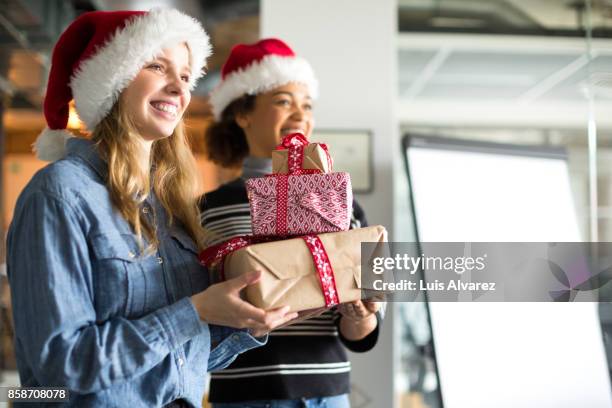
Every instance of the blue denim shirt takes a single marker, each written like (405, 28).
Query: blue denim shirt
(93, 314)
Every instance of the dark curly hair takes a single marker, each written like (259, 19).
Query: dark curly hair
(225, 141)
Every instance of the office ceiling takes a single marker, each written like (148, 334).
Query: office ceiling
(460, 68)
(514, 62)
(541, 17)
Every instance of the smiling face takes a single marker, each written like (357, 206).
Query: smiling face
(157, 98)
(283, 110)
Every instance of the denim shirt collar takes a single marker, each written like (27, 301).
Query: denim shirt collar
(86, 150)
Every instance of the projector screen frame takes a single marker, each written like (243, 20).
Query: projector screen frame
(414, 140)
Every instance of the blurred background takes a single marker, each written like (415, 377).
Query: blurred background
(530, 73)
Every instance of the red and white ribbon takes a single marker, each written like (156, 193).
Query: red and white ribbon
(282, 201)
(214, 255)
(324, 269)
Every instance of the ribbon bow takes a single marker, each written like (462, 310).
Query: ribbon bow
(294, 139)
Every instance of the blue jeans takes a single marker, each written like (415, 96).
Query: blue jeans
(338, 401)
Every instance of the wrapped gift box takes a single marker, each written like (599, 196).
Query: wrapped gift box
(300, 204)
(315, 157)
(290, 275)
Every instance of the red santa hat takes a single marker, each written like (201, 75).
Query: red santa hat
(97, 57)
(259, 67)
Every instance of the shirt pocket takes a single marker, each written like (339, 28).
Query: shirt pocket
(118, 275)
(184, 241)
(196, 275)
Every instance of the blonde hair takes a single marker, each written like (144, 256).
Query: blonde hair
(172, 175)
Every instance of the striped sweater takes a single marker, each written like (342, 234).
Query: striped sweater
(304, 360)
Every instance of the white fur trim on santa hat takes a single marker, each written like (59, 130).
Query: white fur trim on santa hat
(50, 145)
(261, 76)
(100, 79)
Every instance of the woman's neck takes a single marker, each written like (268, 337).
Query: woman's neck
(145, 157)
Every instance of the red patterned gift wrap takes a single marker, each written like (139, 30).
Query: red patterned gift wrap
(300, 204)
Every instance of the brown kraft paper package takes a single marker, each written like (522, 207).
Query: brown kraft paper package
(288, 272)
(315, 158)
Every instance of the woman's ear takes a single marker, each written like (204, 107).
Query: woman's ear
(243, 121)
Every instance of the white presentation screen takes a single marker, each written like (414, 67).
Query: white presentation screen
(501, 355)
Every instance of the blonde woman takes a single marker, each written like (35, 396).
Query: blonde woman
(109, 300)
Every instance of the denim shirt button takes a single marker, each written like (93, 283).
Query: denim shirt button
(181, 362)
(145, 210)
(235, 337)
(160, 260)
(131, 254)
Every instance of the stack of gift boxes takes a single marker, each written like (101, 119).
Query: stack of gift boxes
(301, 239)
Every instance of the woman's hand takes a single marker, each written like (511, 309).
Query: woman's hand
(221, 304)
(358, 318)
(358, 310)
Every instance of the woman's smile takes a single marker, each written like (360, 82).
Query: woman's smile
(165, 109)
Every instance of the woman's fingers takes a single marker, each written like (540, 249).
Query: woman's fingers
(242, 281)
(371, 306)
(273, 319)
(254, 325)
(351, 308)
(279, 314)
(264, 318)
(283, 320)
(358, 307)
(358, 310)
(248, 311)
